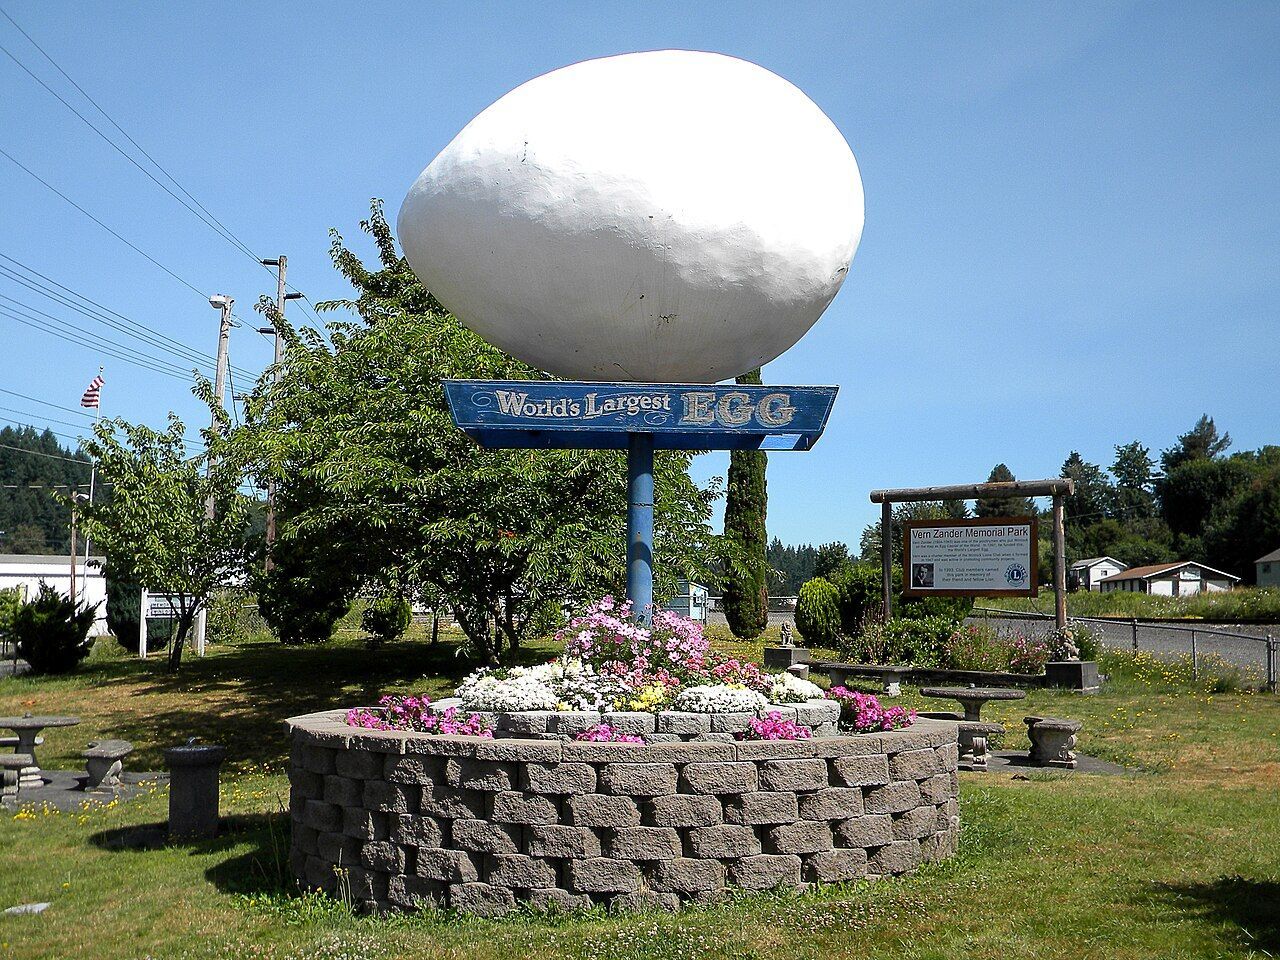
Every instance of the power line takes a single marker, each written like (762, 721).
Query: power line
(41, 453)
(28, 413)
(47, 403)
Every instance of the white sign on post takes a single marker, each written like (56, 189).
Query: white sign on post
(983, 557)
(165, 606)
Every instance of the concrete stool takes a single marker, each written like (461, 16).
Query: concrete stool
(193, 790)
(11, 767)
(973, 736)
(1053, 741)
(104, 762)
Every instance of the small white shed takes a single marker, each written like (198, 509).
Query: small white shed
(25, 571)
(1181, 579)
(690, 601)
(1268, 568)
(1091, 571)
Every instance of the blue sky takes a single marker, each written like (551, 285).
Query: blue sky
(1072, 231)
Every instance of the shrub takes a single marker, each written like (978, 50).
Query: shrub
(978, 646)
(920, 641)
(386, 618)
(1029, 655)
(52, 633)
(861, 596)
(818, 613)
(863, 712)
(10, 601)
(229, 618)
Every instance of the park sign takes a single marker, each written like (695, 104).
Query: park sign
(604, 415)
(983, 557)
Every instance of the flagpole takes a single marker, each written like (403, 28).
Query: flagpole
(93, 471)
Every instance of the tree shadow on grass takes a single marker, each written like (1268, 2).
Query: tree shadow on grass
(261, 869)
(1252, 905)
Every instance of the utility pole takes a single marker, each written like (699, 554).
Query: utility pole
(281, 263)
(74, 557)
(224, 304)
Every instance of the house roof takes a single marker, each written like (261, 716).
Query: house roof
(44, 559)
(1267, 558)
(1155, 569)
(1094, 561)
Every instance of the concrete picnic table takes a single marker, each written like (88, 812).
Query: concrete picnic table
(28, 728)
(972, 698)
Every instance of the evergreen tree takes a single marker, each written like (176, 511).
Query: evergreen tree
(1132, 468)
(746, 591)
(1201, 442)
(1094, 493)
(998, 506)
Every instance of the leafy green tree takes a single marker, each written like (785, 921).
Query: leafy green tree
(998, 506)
(1133, 470)
(1246, 527)
(869, 544)
(746, 589)
(1190, 492)
(818, 613)
(369, 467)
(829, 559)
(176, 524)
(1201, 442)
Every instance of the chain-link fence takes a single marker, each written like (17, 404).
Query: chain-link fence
(1250, 646)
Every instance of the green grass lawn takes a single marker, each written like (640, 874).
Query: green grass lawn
(1181, 859)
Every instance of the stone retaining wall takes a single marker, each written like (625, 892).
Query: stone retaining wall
(396, 821)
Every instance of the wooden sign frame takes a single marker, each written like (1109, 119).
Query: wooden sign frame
(1033, 564)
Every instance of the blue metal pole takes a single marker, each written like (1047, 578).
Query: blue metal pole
(640, 525)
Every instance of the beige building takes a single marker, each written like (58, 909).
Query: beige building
(1181, 579)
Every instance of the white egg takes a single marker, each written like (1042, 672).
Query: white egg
(670, 217)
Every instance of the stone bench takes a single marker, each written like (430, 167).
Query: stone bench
(11, 767)
(11, 743)
(104, 762)
(891, 676)
(973, 736)
(1053, 741)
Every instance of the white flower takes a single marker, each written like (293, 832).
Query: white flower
(518, 689)
(719, 698)
(788, 688)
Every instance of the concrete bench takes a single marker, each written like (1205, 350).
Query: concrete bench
(1053, 741)
(104, 762)
(973, 736)
(11, 767)
(11, 743)
(890, 676)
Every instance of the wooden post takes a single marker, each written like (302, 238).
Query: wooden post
(886, 555)
(142, 627)
(1059, 565)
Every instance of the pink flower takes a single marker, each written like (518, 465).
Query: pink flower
(773, 727)
(416, 714)
(603, 733)
(864, 713)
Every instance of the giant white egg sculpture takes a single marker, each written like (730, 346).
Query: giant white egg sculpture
(669, 216)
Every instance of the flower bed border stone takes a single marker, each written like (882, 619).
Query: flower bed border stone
(397, 820)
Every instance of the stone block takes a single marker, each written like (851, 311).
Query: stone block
(337, 848)
(631, 721)
(833, 803)
(317, 759)
(684, 810)
(452, 866)
(870, 771)
(586, 751)
(762, 808)
(948, 756)
(323, 817)
(601, 810)
(382, 856)
(937, 789)
(865, 831)
(416, 830)
(638, 779)
(663, 738)
(835, 866)
(481, 836)
(546, 749)
(415, 770)
(559, 778)
(815, 712)
(305, 839)
(894, 798)
(343, 791)
(863, 745)
(913, 765)
(644, 899)
(765, 871)
(687, 875)
(803, 836)
(828, 728)
(602, 875)
(556, 900)
(520, 871)
(481, 899)
(319, 875)
(901, 856)
(387, 797)
(696, 751)
(444, 745)
(365, 824)
(414, 893)
(794, 775)
(453, 803)
(359, 764)
(685, 724)
(731, 722)
(774, 750)
(570, 723)
(306, 784)
(720, 778)
(471, 774)
(560, 842)
(725, 842)
(916, 824)
(523, 808)
(645, 843)
(526, 721)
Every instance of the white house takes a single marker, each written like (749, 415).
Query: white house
(1268, 568)
(1088, 573)
(25, 571)
(1181, 579)
(690, 601)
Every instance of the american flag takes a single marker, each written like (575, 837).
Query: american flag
(93, 395)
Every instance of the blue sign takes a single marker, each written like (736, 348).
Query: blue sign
(679, 416)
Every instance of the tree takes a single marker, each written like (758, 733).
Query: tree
(818, 613)
(370, 470)
(1201, 442)
(1134, 497)
(746, 590)
(52, 631)
(1191, 491)
(869, 543)
(174, 524)
(998, 506)
(1247, 526)
(1094, 493)
(829, 558)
